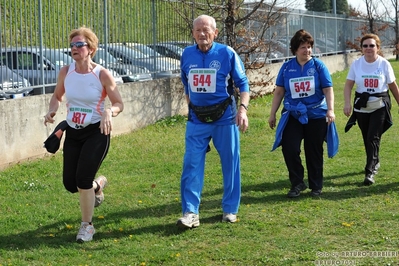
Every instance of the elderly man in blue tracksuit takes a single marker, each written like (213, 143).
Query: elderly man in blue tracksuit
(208, 72)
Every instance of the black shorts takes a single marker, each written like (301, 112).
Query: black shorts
(84, 150)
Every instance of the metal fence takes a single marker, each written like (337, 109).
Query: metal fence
(34, 37)
(330, 32)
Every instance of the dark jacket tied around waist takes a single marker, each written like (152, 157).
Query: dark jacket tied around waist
(361, 100)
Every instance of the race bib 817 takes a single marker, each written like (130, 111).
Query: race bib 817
(80, 117)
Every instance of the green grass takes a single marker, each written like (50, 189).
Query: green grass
(136, 223)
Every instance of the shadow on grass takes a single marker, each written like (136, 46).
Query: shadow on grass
(355, 189)
(330, 177)
(56, 235)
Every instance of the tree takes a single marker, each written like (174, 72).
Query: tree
(318, 5)
(327, 6)
(342, 7)
(394, 16)
(375, 21)
(242, 25)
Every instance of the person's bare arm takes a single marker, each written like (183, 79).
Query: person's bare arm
(108, 82)
(56, 99)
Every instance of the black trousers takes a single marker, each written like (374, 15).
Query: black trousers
(84, 151)
(371, 126)
(313, 135)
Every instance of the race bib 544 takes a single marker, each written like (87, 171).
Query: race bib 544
(202, 80)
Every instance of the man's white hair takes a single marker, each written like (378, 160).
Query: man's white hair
(206, 17)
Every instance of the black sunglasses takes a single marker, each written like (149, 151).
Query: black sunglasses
(368, 45)
(77, 44)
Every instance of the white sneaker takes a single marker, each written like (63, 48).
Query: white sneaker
(86, 232)
(99, 197)
(229, 217)
(189, 220)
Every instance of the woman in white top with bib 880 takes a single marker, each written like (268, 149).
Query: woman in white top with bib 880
(85, 85)
(374, 78)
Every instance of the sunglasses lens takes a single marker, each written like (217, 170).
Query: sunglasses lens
(78, 44)
(370, 45)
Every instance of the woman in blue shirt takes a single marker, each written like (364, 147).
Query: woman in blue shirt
(306, 86)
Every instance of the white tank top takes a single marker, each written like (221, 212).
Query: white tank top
(84, 97)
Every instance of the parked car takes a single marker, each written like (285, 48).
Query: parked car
(157, 67)
(259, 54)
(30, 64)
(325, 46)
(169, 63)
(267, 57)
(127, 72)
(12, 85)
(181, 44)
(57, 57)
(118, 79)
(281, 47)
(168, 50)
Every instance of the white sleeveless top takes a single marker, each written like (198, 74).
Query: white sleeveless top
(84, 97)
(372, 78)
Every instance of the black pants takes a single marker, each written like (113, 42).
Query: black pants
(84, 151)
(371, 126)
(313, 135)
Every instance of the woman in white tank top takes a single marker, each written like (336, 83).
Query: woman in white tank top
(85, 86)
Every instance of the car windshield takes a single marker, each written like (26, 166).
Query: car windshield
(145, 49)
(174, 48)
(103, 56)
(57, 57)
(133, 53)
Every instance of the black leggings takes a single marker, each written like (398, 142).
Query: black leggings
(372, 127)
(84, 151)
(313, 135)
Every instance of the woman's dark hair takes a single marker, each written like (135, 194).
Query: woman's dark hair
(301, 36)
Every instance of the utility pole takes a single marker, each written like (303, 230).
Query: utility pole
(334, 3)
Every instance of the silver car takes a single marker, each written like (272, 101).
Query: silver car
(128, 72)
(168, 50)
(30, 64)
(157, 66)
(12, 85)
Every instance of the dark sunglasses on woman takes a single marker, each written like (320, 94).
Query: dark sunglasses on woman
(78, 44)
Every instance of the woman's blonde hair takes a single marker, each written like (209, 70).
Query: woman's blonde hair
(90, 36)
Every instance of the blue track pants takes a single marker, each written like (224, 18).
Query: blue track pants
(226, 139)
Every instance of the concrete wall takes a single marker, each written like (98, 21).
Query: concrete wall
(23, 130)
